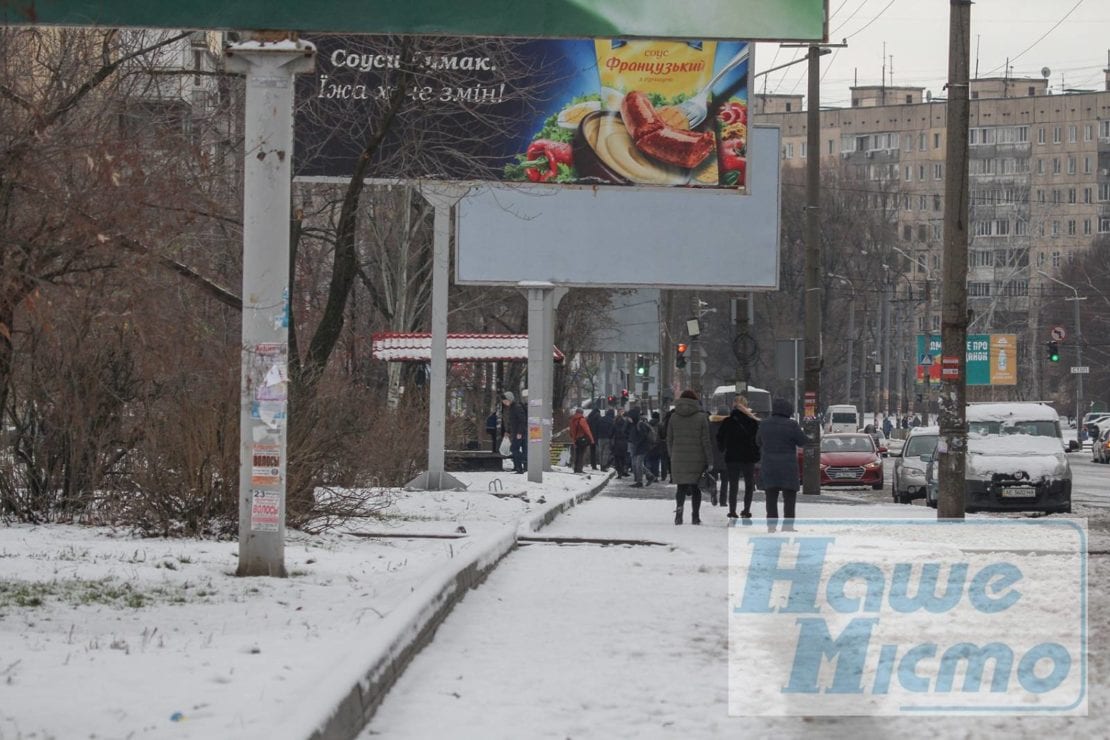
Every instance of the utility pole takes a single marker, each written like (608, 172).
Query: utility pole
(952, 446)
(811, 472)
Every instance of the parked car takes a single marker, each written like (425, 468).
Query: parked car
(910, 464)
(849, 460)
(1016, 460)
(1100, 447)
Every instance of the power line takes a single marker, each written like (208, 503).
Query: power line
(1039, 40)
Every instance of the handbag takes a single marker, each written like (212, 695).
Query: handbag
(582, 441)
(707, 484)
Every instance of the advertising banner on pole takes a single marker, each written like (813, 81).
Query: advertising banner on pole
(991, 359)
(580, 112)
(763, 20)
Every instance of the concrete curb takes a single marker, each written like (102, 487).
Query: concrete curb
(409, 629)
(544, 517)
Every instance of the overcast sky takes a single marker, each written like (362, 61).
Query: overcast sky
(916, 35)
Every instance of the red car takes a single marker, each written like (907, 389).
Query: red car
(849, 460)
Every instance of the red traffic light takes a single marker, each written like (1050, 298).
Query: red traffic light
(681, 347)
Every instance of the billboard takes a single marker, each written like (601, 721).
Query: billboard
(764, 20)
(991, 359)
(630, 324)
(625, 237)
(552, 112)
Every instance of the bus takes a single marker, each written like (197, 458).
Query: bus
(759, 400)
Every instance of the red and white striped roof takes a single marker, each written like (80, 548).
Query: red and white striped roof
(417, 347)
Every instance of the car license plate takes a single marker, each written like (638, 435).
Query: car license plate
(1019, 492)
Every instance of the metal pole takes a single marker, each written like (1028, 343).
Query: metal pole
(952, 446)
(851, 346)
(928, 346)
(885, 358)
(269, 70)
(1078, 363)
(811, 483)
(795, 374)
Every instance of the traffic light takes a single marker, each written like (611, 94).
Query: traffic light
(1053, 351)
(641, 366)
(624, 397)
(680, 354)
(612, 400)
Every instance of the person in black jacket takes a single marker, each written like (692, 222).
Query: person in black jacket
(736, 438)
(516, 426)
(603, 435)
(618, 445)
(593, 419)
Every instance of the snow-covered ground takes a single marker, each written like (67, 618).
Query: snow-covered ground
(586, 640)
(109, 636)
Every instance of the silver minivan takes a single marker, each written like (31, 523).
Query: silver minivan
(908, 481)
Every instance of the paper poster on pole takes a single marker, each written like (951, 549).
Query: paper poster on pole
(266, 465)
(265, 510)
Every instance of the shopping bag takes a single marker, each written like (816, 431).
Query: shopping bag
(506, 448)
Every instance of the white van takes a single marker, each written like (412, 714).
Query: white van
(842, 418)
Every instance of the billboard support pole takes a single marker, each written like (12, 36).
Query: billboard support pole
(443, 197)
(268, 134)
(541, 311)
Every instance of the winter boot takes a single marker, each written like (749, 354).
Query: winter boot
(695, 507)
(680, 502)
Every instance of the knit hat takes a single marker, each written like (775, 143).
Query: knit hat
(508, 395)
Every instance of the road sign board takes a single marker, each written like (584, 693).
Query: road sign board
(1081, 370)
(925, 360)
(1059, 333)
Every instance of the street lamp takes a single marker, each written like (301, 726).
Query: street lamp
(1078, 348)
(851, 332)
(928, 322)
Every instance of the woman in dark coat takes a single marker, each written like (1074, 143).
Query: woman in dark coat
(779, 439)
(690, 451)
(736, 439)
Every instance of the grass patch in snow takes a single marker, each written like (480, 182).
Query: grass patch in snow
(109, 592)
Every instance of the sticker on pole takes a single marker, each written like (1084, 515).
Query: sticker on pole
(909, 617)
(950, 368)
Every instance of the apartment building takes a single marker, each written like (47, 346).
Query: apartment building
(1039, 185)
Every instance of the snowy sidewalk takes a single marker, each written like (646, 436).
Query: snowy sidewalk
(589, 641)
(111, 636)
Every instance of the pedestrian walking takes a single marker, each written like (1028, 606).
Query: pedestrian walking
(641, 438)
(736, 438)
(603, 435)
(516, 427)
(691, 453)
(593, 419)
(888, 426)
(580, 438)
(491, 430)
(779, 439)
(618, 444)
(658, 449)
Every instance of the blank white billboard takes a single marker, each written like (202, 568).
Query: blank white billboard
(664, 237)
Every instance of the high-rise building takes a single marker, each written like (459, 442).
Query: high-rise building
(1039, 184)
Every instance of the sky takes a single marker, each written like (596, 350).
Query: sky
(916, 36)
